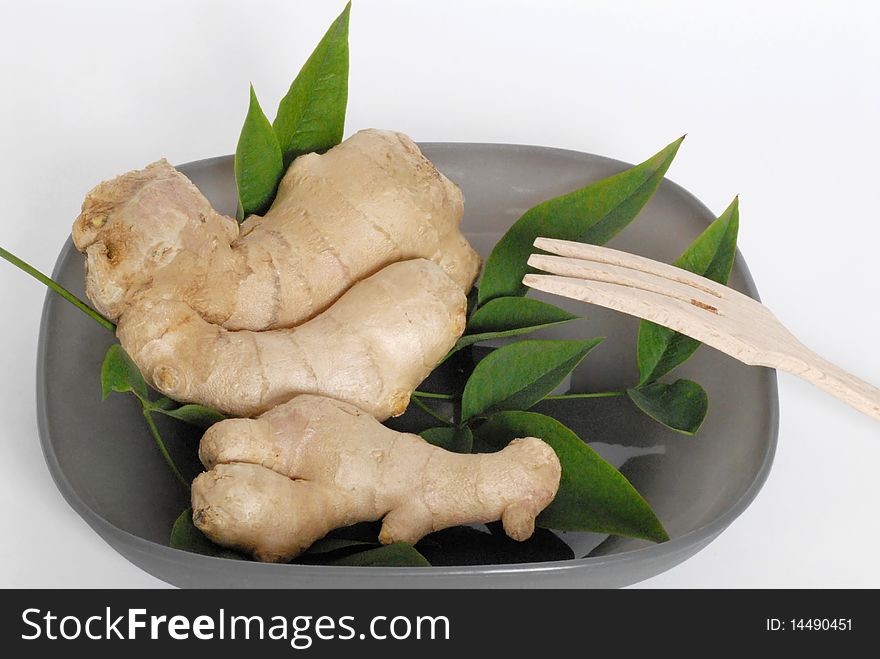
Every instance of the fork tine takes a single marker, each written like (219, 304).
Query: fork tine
(606, 255)
(629, 277)
(671, 312)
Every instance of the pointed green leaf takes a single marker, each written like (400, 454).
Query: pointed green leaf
(681, 406)
(593, 495)
(311, 117)
(195, 415)
(711, 255)
(510, 316)
(592, 214)
(518, 375)
(398, 554)
(333, 545)
(185, 536)
(119, 373)
(506, 314)
(457, 440)
(258, 165)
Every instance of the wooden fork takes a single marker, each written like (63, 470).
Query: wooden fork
(698, 307)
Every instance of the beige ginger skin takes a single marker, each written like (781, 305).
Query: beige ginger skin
(278, 483)
(372, 347)
(337, 218)
(194, 296)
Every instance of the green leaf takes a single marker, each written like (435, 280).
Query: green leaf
(196, 415)
(711, 255)
(510, 316)
(506, 314)
(518, 375)
(311, 117)
(473, 297)
(120, 374)
(331, 545)
(365, 532)
(398, 554)
(681, 406)
(464, 545)
(593, 495)
(592, 214)
(457, 440)
(258, 164)
(185, 536)
(162, 404)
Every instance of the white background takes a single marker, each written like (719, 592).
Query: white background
(780, 101)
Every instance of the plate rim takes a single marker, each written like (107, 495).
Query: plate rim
(698, 537)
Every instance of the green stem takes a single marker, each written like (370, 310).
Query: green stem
(598, 394)
(58, 288)
(428, 394)
(162, 449)
(430, 412)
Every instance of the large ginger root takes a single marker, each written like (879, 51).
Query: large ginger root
(279, 482)
(178, 276)
(372, 347)
(337, 218)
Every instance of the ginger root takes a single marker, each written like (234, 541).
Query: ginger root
(279, 482)
(372, 347)
(205, 309)
(337, 218)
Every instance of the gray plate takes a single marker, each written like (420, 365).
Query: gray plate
(105, 464)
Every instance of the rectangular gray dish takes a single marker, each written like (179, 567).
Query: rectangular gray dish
(106, 465)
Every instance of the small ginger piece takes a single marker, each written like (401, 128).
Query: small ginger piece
(278, 483)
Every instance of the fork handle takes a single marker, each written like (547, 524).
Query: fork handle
(845, 386)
